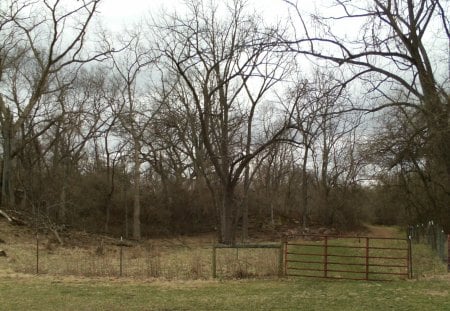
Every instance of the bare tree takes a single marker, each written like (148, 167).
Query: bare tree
(43, 46)
(133, 117)
(322, 133)
(82, 107)
(392, 55)
(215, 58)
(303, 107)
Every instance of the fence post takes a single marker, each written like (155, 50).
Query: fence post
(325, 256)
(442, 240)
(280, 260)
(448, 253)
(286, 256)
(409, 255)
(36, 215)
(37, 253)
(367, 258)
(213, 268)
(121, 256)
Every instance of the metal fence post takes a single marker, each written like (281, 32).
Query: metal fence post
(286, 257)
(37, 236)
(367, 258)
(280, 259)
(442, 240)
(410, 263)
(121, 256)
(37, 253)
(213, 268)
(325, 256)
(448, 253)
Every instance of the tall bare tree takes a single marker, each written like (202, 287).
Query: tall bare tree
(133, 116)
(43, 46)
(215, 55)
(396, 54)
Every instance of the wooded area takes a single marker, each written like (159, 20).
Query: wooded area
(212, 118)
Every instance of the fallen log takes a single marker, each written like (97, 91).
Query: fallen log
(56, 234)
(11, 219)
(8, 218)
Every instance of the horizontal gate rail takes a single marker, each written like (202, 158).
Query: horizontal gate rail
(373, 256)
(346, 256)
(354, 247)
(349, 264)
(337, 278)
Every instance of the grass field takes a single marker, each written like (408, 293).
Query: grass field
(176, 275)
(49, 293)
(429, 290)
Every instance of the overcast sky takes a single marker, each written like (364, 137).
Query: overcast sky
(118, 13)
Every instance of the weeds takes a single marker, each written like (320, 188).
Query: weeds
(174, 259)
(141, 261)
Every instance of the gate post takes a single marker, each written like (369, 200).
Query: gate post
(281, 259)
(410, 263)
(286, 256)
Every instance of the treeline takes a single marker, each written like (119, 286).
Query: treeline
(207, 119)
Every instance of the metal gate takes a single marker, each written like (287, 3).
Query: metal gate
(349, 257)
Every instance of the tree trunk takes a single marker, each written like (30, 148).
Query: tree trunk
(7, 191)
(226, 226)
(63, 194)
(6, 172)
(62, 202)
(305, 207)
(245, 204)
(136, 194)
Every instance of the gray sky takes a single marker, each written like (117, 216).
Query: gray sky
(118, 13)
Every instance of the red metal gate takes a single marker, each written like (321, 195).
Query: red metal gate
(349, 257)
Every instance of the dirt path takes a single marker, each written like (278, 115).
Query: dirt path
(383, 231)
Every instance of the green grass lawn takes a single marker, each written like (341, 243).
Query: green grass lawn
(49, 293)
(180, 279)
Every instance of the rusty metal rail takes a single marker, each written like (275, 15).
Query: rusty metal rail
(349, 257)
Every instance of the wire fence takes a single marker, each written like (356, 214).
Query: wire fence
(431, 234)
(144, 261)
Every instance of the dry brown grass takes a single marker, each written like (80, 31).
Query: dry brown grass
(184, 258)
